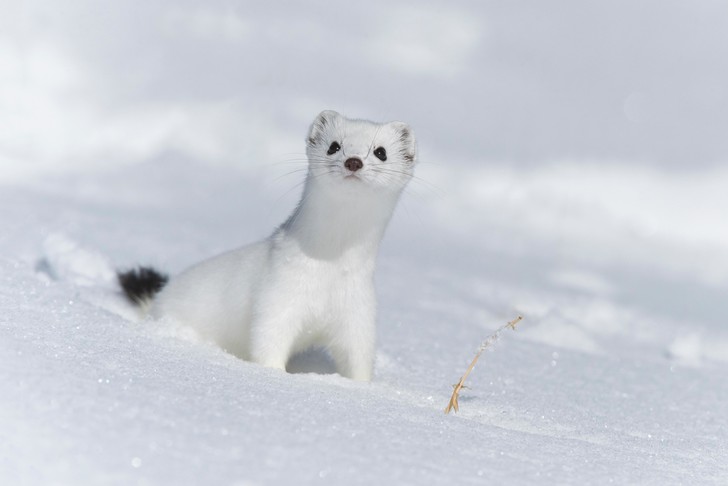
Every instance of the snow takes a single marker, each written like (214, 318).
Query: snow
(572, 170)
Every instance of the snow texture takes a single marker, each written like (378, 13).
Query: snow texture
(573, 165)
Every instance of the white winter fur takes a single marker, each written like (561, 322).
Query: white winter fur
(311, 282)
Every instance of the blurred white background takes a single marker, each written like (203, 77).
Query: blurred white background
(87, 84)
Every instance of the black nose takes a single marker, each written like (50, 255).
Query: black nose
(353, 164)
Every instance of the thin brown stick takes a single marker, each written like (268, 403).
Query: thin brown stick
(453, 404)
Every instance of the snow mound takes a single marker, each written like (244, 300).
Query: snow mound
(65, 259)
(694, 349)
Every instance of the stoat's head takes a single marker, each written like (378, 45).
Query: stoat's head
(359, 152)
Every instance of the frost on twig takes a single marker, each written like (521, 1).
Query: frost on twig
(453, 404)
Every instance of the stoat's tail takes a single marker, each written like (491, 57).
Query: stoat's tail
(141, 284)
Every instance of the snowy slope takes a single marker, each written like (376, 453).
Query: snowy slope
(556, 181)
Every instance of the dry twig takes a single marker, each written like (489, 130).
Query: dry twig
(453, 404)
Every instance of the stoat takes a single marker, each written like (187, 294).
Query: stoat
(310, 283)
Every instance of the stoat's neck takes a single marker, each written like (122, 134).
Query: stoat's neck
(331, 222)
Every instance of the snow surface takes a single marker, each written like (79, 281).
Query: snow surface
(572, 170)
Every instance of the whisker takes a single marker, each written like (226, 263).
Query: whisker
(433, 189)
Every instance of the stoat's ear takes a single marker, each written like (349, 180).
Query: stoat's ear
(322, 122)
(406, 139)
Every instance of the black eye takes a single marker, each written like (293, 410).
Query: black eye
(381, 153)
(333, 148)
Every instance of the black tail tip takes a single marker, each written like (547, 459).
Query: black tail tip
(141, 284)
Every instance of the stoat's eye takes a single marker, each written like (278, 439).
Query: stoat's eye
(380, 153)
(333, 148)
